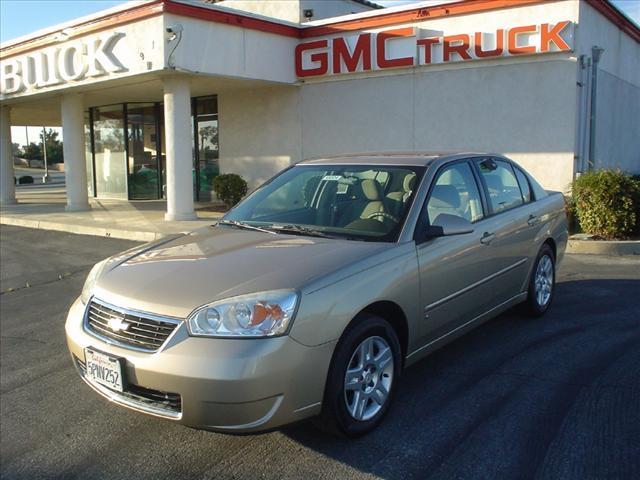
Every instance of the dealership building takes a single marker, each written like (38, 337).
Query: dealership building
(155, 98)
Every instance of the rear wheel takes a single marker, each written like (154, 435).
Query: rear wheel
(542, 283)
(362, 378)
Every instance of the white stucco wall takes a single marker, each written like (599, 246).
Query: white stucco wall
(288, 10)
(618, 94)
(219, 49)
(524, 110)
(291, 10)
(331, 8)
(260, 131)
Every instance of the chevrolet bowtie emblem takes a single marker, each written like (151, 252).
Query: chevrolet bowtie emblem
(117, 324)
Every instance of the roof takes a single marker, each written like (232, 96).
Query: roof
(368, 3)
(385, 158)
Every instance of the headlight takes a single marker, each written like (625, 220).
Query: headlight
(89, 283)
(265, 314)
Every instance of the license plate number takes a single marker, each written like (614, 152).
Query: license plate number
(103, 369)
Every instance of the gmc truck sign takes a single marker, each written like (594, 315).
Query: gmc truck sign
(412, 46)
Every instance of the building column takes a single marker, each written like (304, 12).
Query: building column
(7, 187)
(75, 164)
(178, 133)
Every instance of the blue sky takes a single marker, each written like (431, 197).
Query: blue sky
(20, 17)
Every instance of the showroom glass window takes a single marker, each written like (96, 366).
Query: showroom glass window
(206, 148)
(110, 152)
(88, 153)
(142, 152)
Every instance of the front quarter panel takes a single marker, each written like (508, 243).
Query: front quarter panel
(328, 305)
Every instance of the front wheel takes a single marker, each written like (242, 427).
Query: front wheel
(542, 283)
(362, 378)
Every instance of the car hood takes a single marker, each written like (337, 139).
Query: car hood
(175, 276)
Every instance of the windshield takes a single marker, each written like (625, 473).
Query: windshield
(348, 201)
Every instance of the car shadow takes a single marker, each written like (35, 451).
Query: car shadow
(517, 397)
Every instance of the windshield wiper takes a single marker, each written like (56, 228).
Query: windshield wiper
(245, 226)
(302, 230)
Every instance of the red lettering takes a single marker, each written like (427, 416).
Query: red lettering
(547, 36)
(462, 49)
(362, 50)
(496, 52)
(381, 55)
(321, 59)
(514, 49)
(427, 43)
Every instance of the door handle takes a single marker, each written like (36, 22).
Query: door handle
(487, 238)
(532, 220)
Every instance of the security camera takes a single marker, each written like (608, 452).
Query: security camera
(174, 29)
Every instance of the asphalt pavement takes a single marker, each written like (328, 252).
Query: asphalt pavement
(556, 397)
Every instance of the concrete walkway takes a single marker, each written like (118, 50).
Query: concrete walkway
(42, 206)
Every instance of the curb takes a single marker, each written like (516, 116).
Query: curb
(604, 247)
(83, 230)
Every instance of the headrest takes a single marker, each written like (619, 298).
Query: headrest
(310, 188)
(444, 196)
(409, 182)
(371, 189)
(494, 182)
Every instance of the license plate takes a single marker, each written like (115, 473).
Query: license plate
(103, 369)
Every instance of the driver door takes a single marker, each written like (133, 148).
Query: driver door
(453, 269)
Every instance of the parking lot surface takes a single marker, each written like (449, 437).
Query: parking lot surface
(556, 397)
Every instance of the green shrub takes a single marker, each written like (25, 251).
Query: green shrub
(572, 218)
(607, 203)
(230, 188)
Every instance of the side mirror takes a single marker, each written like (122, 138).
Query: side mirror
(446, 225)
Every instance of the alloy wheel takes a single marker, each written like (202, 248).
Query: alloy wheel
(368, 379)
(543, 282)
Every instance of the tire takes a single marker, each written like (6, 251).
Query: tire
(356, 409)
(542, 284)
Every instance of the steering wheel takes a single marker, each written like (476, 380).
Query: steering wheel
(384, 215)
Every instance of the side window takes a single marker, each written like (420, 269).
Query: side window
(524, 185)
(502, 187)
(455, 192)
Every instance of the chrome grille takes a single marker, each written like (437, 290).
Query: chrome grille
(143, 331)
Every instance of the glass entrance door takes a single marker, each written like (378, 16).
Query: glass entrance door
(143, 162)
(205, 111)
(109, 152)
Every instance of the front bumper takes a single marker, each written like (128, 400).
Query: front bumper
(233, 385)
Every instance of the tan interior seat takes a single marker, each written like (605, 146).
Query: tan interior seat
(396, 200)
(368, 200)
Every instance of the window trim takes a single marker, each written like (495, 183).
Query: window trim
(419, 234)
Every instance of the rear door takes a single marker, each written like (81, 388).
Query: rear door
(510, 225)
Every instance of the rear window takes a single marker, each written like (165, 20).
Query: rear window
(525, 188)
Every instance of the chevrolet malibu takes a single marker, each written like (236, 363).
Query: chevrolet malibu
(310, 296)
